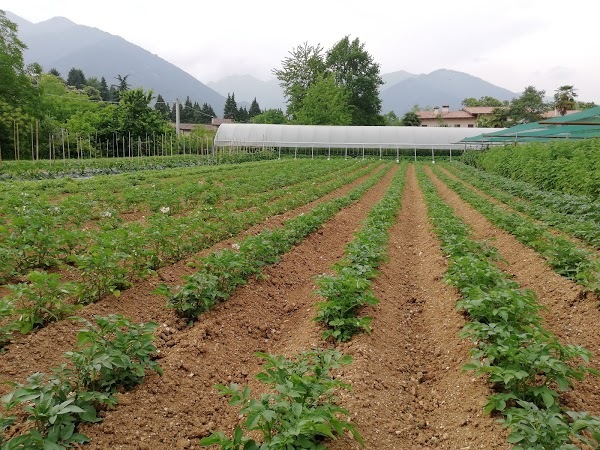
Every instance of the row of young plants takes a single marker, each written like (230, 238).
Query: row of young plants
(105, 199)
(220, 273)
(573, 214)
(349, 289)
(300, 409)
(567, 166)
(298, 412)
(527, 365)
(566, 258)
(112, 354)
(43, 235)
(112, 264)
(40, 170)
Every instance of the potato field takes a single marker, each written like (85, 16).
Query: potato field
(297, 304)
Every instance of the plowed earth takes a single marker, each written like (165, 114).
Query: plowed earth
(408, 388)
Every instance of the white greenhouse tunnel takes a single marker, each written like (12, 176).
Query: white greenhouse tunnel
(349, 137)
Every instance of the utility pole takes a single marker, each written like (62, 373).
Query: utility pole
(177, 116)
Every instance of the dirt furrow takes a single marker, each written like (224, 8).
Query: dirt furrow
(43, 349)
(408, 387)
(570, 313)
(176, 410)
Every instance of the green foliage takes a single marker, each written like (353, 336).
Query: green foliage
(298, 412)
(354, 69)
(568, 166)
(230, 109)
(527, 364)
(486, 100)
(112, 354)
(564, 99)
(299, 71)
(254, 109)
(270, 116)
(528, 107)
(411, 119)
(350, 288)
(325, 91)
(7, 326)
(76, 78)
(222, 272)
(43, 300)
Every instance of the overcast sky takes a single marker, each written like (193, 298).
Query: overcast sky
(511, 43)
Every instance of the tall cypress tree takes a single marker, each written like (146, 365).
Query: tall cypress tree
(161, 106)
(104, 92)
(76, 78)
(230, 110)
(254, 109)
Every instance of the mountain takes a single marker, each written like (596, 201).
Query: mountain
(246, 87)
(438, 88)
(61, 44)
(392, 78)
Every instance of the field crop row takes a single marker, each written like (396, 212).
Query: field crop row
(572, 214)
(526, 363)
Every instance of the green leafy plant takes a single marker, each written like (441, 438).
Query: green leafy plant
(42, 300)
(113, 352)
(300, 410)
(7, 326)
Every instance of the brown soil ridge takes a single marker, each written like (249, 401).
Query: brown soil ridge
(571, 314)
(408, 387)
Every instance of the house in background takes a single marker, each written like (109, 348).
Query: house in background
(443, 117)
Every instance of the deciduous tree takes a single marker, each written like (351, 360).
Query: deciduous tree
(564, 99)
(354, 69)
(325, 103)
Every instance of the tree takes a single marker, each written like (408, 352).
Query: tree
(230, 110)
(273, 116)
(104, 92)
(14, 84)
(392, 119)
(161, 106)
(55, 72)
(207, 113)
(410, 119)
(498, 119)
(120, 87)
(136, 116)
(564, 99)
(254, 109)
(486, 100)
(242, 115)
(529, 107)
(586, 105)
(299, 71)
(325, 91)
(76, 78)
(354, 69)
(186, 112)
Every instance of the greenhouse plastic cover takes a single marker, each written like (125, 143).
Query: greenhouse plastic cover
(325, 136)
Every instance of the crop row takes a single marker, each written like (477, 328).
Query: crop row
(567, 166)
(119, 256)
(573, 214)
(111, 355)
(565, 257)
(39, 235)
(350, 288)
(222, 272)
(526, 363)
(39, 170)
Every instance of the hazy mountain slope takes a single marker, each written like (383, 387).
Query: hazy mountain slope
(438, 88)
(61, 44)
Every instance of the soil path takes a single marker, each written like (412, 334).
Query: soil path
(408, 388)
(571, 313)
